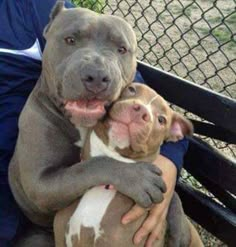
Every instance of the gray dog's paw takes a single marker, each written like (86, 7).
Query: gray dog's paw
(142, 182)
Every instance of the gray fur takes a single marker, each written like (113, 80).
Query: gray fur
(35, 237)
(59, 6)
(45, 174)
(178, 228)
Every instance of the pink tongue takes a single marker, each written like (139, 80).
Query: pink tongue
(85, 113)
(85, 107)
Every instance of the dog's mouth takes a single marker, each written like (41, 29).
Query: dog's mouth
(130, 125)
(84, 112)
(127, 135)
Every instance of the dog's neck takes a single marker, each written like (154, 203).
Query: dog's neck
(46, 96)
(99, 135)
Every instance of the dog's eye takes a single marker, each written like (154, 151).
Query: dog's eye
(122, 50)
(132, 90)
(70, 40)
(161, 120)
(129, 91)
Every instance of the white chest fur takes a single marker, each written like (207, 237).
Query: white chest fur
(94, 203)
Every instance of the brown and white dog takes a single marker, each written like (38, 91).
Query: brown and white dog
(135, 128)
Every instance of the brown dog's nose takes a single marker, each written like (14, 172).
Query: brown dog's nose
(96, 81)
(141, 112)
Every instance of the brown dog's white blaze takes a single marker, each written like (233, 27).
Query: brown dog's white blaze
(133, 130)
(129, 124)
(141, 120)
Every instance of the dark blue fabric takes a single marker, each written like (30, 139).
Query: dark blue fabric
(138, 77)
(22, 22)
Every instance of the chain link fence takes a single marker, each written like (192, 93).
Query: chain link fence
(194, 39)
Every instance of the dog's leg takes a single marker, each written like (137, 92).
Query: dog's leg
(180, 229)
(195, 238)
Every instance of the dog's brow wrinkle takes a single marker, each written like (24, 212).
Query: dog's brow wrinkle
(118, 40)
(77, 33)
(151, 100)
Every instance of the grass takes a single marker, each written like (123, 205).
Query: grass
(215, 20)
(203, 30)
(222, 34)
(231, 19)
(95, 5)
(177, 9)
(188, 11)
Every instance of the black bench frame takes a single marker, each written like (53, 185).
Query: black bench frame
(212, 169)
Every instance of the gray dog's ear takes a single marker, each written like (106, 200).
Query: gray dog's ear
(57, 9)
(59, 6)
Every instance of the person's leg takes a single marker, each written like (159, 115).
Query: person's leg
(22, 24)
(9, 211)
(8, 215)
(34, 236)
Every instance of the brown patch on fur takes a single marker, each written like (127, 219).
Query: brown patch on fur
(122, 235)
(75, 240)
(60, 224)
(119, 235)
(87, 237)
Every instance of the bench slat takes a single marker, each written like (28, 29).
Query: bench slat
(222, 195)
(203, 161)
(192, 97)
(214, 131)
(213, 217)
(207, 165)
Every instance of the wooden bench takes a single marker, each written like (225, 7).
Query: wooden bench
(214, 171)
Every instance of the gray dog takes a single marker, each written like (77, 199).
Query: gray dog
(88, 60)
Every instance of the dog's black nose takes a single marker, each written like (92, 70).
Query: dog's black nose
(96, 81)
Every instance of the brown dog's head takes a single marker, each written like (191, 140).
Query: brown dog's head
(88, 59)
(141, 120)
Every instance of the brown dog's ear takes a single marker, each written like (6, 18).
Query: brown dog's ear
(57, 9)
(179, 128)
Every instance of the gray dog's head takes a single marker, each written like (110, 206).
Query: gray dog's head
(88, 59)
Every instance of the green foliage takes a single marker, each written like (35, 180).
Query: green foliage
(222, 34)
(95, 5)
(190, 10)
(231, 19)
